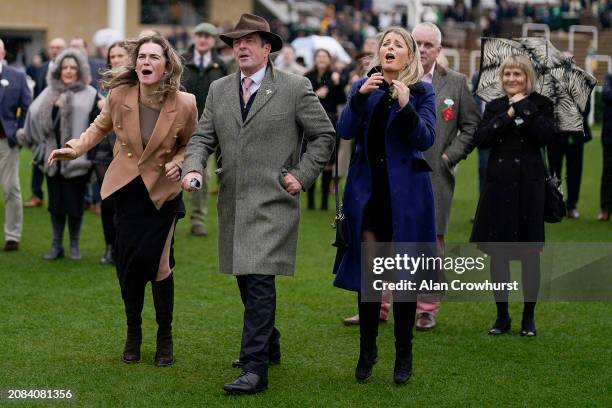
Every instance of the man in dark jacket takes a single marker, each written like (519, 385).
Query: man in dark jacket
(201, 67)
(15, 99)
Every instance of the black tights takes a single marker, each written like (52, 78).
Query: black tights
(403, 315)
(530, 274)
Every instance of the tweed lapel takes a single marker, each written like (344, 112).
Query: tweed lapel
(264, 94)
(233, 98)
(160, 132)
(439, 83)
(131, 119)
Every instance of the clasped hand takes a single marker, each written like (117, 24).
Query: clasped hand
(374, 81)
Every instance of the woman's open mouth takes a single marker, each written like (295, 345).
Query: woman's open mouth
(389, 57)
(146, 72)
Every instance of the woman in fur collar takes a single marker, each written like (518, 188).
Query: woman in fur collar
(60, 113)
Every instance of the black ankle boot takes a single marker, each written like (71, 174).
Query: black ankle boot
(402, 370)
(74, 227)
(108, 258)
(528, 327)
(55, 252)
(503, 322)
(133, 311)
(163, 298)
(58, 221)
(368, 356)
(75, 252)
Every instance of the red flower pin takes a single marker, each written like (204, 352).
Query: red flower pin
(448, 114)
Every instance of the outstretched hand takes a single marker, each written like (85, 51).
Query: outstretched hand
(65, 153)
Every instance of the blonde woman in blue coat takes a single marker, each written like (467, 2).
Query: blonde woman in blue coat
(388, 195)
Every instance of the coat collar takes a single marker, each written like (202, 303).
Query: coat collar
(439, 78)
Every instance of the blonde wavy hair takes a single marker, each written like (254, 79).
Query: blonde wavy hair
(413, 72)
(170, 82)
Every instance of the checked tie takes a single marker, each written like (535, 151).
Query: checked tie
(246, 89)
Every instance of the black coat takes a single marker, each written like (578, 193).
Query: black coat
(511, 206)
(335, 96)
(606, 131)
(198, 83)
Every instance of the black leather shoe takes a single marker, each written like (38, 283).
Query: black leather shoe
(501, 325)
(247, 383)
(365, 365)
(402, 370)
(528, 327)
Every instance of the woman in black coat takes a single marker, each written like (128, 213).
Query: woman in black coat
(511, 207)
(102, 155)
(606, 141)
(328, 88)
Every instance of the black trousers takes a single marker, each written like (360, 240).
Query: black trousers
(258, 294)
(606, 179)
(572, 149)
(326, 179)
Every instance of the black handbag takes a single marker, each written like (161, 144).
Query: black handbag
(341, 223)
(554, 204)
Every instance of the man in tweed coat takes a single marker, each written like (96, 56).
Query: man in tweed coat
(259, 117)
(457, 120)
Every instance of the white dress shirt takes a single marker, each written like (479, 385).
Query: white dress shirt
(256, 77)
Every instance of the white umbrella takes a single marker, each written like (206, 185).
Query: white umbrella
(106, 37)
(306, 46)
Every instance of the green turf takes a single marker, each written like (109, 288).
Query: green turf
(62, 327)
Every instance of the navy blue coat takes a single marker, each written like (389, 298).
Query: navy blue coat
(15, 98)
(411, 195)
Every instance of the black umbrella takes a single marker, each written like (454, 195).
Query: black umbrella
(557, 76)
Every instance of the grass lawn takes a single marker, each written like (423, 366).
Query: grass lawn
(62, 327)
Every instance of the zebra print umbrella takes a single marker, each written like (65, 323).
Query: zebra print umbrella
(557, 77)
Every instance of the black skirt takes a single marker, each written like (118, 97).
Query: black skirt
(142, 231)
(66, 195)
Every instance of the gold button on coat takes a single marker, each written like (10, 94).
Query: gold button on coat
(130, 154)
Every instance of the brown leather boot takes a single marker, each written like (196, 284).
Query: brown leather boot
(133, 311)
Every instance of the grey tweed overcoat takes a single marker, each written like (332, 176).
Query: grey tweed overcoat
(454, 136)
(258, 219)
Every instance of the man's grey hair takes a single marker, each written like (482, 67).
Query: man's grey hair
(432, 27)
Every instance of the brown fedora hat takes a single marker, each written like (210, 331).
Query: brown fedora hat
(249, 24)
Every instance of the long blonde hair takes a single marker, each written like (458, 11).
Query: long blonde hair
(414, 70)
(126, 75)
